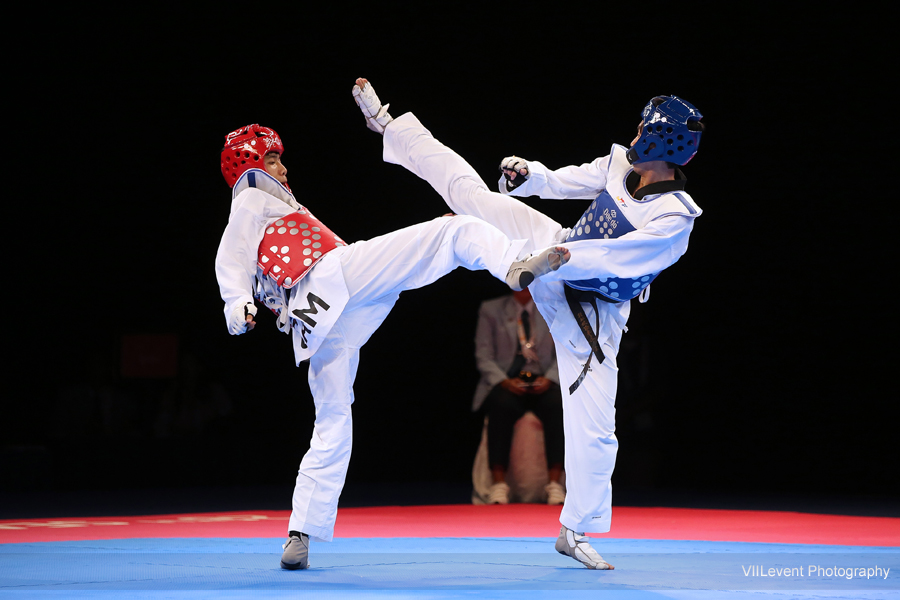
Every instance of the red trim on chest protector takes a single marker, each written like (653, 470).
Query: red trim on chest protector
(292, 245)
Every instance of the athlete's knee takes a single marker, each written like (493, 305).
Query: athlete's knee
(464, 226)
(608, 441)
(467, 186)
(334, 421)
(466, 222)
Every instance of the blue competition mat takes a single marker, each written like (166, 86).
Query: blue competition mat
(443, 568)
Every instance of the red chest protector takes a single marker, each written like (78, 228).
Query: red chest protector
(292, 245)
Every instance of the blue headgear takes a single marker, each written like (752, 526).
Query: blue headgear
(670, 131)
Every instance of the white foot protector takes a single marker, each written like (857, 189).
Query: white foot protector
(377, 117)
(578, 547)
(296, 552)
(522, 272)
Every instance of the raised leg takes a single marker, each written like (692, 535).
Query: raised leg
(409, 144)
(415, 256)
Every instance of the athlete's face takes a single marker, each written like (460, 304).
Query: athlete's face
(274, 167)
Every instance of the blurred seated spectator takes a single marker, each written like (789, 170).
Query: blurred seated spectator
(519, 378)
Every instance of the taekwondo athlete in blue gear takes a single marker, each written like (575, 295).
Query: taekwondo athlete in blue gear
(646, 221)
(609, 216)
(664, 136)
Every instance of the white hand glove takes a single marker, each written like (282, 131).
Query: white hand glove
(238, 323)
(515, 170)
(377, 117)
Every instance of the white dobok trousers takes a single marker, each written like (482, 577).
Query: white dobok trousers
(375, 272)
(589, 413)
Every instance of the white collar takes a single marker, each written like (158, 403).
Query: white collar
(259, 179)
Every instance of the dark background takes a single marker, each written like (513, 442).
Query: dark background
(757, 375)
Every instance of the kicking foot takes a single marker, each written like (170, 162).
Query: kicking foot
(376, 115)
(296, 552)
(578, 547)
(522, 272)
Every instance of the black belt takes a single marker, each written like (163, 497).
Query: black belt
(575, 298)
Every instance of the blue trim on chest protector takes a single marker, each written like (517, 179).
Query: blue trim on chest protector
(603, 220)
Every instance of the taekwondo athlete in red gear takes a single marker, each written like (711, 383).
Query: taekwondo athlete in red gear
(330, 297)
(637, 224)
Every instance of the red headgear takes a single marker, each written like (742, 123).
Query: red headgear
(245, 149)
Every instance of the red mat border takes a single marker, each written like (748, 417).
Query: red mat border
(514, 520)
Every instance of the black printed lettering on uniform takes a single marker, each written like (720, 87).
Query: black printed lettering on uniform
(303, 331)
(303, 313)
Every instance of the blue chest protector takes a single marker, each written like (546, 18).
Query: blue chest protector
(615, 213)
